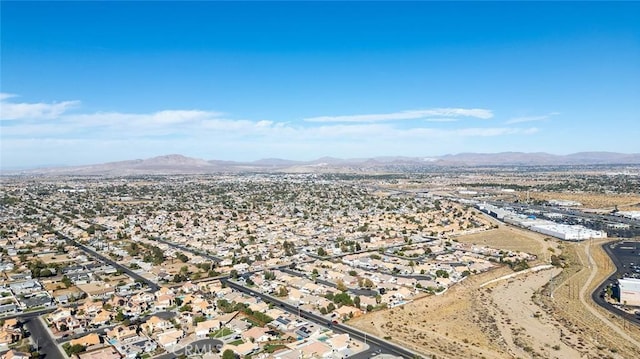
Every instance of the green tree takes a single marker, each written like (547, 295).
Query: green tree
(228, 354)
(282, 291)
(341, 286)
(367, 283)
(356, 301)
(66, 281)
(233, 274)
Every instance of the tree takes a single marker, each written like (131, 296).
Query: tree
(233, 274)
(228, 354)
(73, 349)
(367, 283)
(356, 302)
(120, 316)
(341, 286)
(322, 252)
(331, 307)
(282, 291)
(66, 281)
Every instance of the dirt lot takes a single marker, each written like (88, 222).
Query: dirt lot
(515, 239)
(515, 317)
(449, 325)
(589, 200)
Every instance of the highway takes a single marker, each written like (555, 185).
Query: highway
(153, 286)
(375, 344)
(621, 259)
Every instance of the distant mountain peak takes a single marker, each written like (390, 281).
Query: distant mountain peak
(180, 164)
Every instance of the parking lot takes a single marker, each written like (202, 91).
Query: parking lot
(626, 257)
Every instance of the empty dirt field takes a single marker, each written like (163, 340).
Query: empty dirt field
(514, 239)
(590, 200)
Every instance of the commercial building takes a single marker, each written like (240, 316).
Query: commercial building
(629, 291)
(567, 232)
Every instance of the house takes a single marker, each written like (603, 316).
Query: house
(189, 287)
(14, 354)
(347, 311)
(90, 307)
(204, 328)
(256, 335)
(339, 342)
(156, 324)
(315, 349)
(104, 353)
(121, 333)
(70, 322)
(295, 295)
(170, 338)
(242, 349)
(101, 318)
(87, 340)
(9, 333)
(366, 301)
(163, 302)
(203, 306)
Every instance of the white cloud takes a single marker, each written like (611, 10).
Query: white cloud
(407, 115)
(440, 119)
(24, 110)
(531, 118)
(135, 135)
(4, 96)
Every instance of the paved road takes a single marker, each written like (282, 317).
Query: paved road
(621, 257)
(374, 342)
(46, 345)
(364, 292)
(35, 313)
(191, 250)
(153, 286)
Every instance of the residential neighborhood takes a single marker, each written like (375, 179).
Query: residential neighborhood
(140, 268)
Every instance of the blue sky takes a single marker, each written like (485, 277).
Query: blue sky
(89, 82)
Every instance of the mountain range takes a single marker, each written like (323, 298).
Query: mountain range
(179, 164)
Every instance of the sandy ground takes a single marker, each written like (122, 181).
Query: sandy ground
(516, 317)
(571, 305)
(590, 200)
(516, 239)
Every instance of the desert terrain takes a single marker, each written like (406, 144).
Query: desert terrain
(605, 201)
(546, 314)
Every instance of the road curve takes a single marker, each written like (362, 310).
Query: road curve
(595, 295)
(583, 291)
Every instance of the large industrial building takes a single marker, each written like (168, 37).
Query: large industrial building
(629, 291)
(567, 232)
